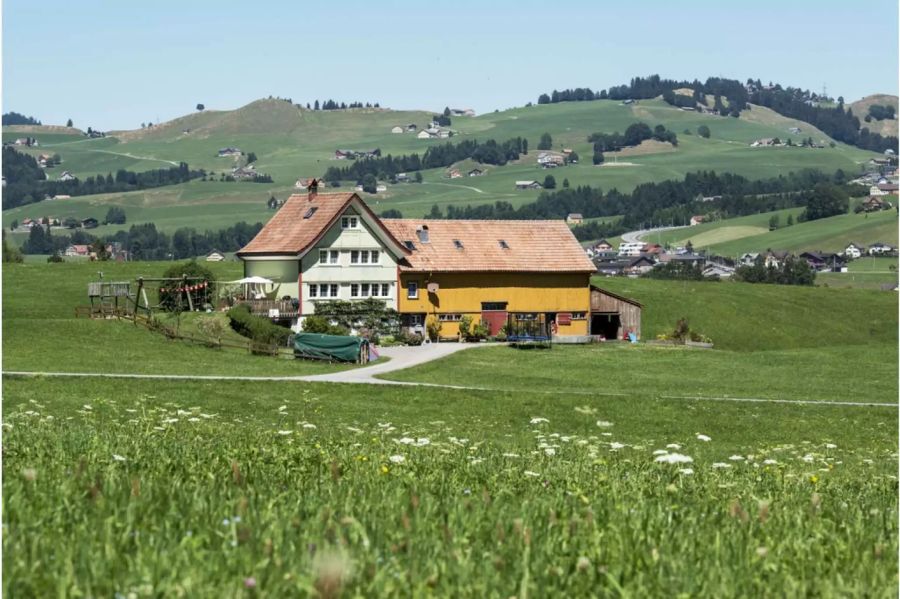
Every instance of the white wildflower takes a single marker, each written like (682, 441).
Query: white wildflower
(686, 471)
(423, 441)
(660, 452)
(473, 460)
(701, 437)
(585, 410)
(207, 416)
(718, 465)
(384, 425)
(674, 458)
(606, 434)
(130, 410)
(282, 408)
(538, 420)
(353, 429)
(808, 458)
(118, 458)
(510, 455)
(616, 445)
(285, 433)
(308, 425)
(830, 446)
(737, 458)
(604, 423)
(673, 446)
(406, 440)
(770, 462)
(549, 451)
(170, 420)
(193, 419)
(530, 473)
(85, 406)
(397, 459)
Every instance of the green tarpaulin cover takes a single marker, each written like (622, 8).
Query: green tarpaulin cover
(329, 347)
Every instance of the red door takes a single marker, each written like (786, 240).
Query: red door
(494, 319)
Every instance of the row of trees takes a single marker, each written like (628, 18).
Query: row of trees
(332, 105)
(880, 113)
(838, 122)
(14, 118)
(634, 135)
(26, 183)
(650, 87)
(387, 167)
(145, 242)
(791, 271)
(662, 202)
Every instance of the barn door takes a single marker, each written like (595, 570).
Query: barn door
(494, 315)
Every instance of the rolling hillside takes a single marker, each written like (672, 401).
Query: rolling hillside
(291, 142)
(861, 108)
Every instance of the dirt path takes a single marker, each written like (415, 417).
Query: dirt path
(452, 185)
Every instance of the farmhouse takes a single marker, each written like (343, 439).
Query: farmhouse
(602, 246)
(475, 172)
(718, 271)
(696, 220)
(528, 185)
(215, 256)
(229, 152)
(427, 134)
(824, 261)
(397, 129)
(853, 251)
(874, 204)
(411, 127)
(881, 249)
(883, 189)
(90, 223)
(67, 176)
(244, 172)
(78, 250)
(321, 247)
(574, 218)
(454, 173)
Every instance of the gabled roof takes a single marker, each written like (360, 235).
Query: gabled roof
(288, 233)
(532, 246)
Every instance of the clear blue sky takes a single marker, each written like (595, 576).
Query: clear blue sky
(113, 64)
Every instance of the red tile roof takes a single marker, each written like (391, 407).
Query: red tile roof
(288, 233)
(533, 246)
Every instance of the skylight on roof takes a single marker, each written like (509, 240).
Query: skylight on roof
(310, 212)
(458, 244)
(409, 245)
(503, 244)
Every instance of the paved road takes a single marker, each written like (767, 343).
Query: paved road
(635, 236)
(400, 357)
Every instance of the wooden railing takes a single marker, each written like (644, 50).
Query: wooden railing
(266, 307)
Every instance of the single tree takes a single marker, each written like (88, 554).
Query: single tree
(546, 142)
(549, 182)
(251, 157)
(565, 183)
(316, 105)
(418, 177)
(598, 157)
(703, 131)
(773, 222)
(369, 183)
(790, 220)
(69, 123)
(200, 107)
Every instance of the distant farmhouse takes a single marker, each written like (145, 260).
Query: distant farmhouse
(229, 152)
(528, 185)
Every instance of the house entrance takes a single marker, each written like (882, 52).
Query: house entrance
(609, 325)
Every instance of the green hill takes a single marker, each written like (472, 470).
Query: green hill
(291, 142)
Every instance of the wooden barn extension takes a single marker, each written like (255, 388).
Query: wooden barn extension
(614, 316)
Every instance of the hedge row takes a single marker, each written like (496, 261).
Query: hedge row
(257, 328)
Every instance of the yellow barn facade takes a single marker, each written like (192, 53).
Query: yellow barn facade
(322, 247)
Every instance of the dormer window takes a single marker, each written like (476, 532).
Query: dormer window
(503, 244)
(310, 212)
(457, 244)
(409, 245)
(349, 222)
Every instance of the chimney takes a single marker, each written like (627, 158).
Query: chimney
(313, 188)
(422, 233)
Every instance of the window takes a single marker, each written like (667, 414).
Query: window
(334, 290)
(504, 245)
(458, 244)
(354, 290)
(354, 257)
(409, 245)
(323, 290)
(313, 291)
(373, 256)
(364, 257)
(328, 257)
(334, 255)
(579, 316)
(349, 222)
(493, 306)
(323, 256)
(412, 290)
(385, 290)
(310, 212)
(449, 317)
(364, 290)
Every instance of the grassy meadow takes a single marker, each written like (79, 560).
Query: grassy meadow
(292, 143)
(609, 470)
